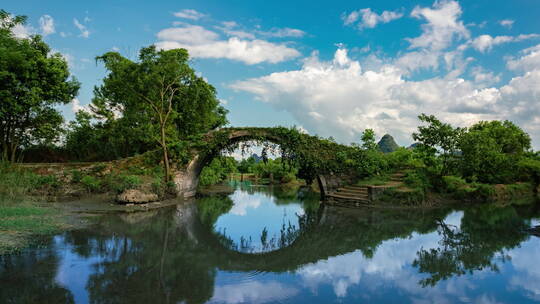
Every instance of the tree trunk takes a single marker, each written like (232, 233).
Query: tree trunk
(165, 155)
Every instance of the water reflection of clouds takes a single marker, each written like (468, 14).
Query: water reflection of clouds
(390, 269)
(253, 292)
(391, 264)
(525, 261)
(243, 200)
(74, 270)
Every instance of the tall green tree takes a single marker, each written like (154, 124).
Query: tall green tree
(159, 95)
(438, 139)
(33, 80)
(368, 140)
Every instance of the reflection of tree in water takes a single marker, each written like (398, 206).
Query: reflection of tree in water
(172, 256)
(30, 278)
(287, 235)
(485, 235)
(150, 261)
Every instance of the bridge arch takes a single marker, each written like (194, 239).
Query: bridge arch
(186, 179)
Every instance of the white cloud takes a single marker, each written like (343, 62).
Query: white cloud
(282, 33)
(76, 106)
(506, 23)
(340, 99)
(46, 24)
(22, 31)
(529, 60)
(230, 28)
(484, 77)
(484, 43)
(193, 34)
(203, 43)
(189, 14)
(85, 33)
(442, 25)
(370, 19)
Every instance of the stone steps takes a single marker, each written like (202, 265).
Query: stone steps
(354, 196)
(350, 196)
(359, 191)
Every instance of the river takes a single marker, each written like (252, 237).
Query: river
(262, 244)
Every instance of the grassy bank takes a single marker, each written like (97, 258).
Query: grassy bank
(25, 220)
(27, 225)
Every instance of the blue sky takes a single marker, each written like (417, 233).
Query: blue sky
(333, 69)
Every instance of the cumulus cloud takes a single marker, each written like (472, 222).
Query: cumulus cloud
(529, 60)
(189, 14)
(85, 33)
(485, 43)
(443, 25)
(368, 19)
(203, 43)
(339, 98)
(46, 24)
(506, 23)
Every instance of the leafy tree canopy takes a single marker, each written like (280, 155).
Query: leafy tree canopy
(32, 81)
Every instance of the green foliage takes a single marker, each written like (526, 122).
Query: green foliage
(403, 158)
(368, 140)
(417, 180)
(217, 171)
(32, 82)
(408, 197)
(163, 104)
(76, 176)
(492, 150)
(279, 170)
(438, 139)
(529, 170)
(461, 189)
(91, 184)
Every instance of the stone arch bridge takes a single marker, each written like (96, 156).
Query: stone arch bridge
(186, 177)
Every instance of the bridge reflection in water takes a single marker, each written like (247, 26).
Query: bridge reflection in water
(178, 255)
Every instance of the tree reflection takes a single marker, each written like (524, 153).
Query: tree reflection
(486, 234)
(173, 255)
(30, 278)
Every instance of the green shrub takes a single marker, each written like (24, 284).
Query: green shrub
(288, 177)
(484, 192)
(91, 183)
(529, 170)
(414, 197)
(125, 182)
(453, 183)
(417, 180)
(402, 158)
(47, 181)
(157, 187)
(76, 176)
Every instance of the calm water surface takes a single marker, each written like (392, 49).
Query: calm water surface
(272, 245)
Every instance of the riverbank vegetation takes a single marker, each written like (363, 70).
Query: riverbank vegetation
(489, 161)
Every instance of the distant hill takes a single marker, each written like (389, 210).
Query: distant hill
(387, 144)
(256, 157)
